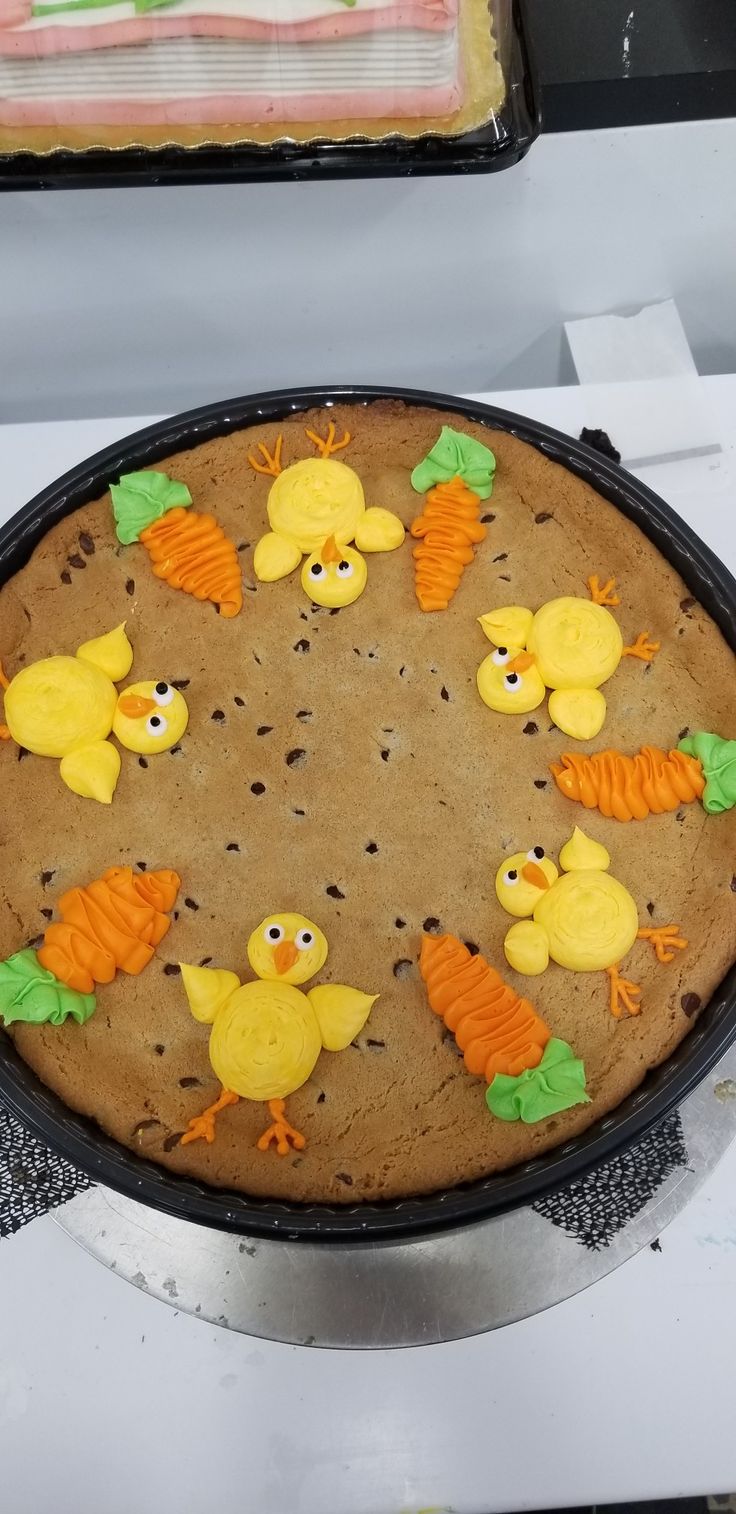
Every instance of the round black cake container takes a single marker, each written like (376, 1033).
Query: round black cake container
(84, 1143)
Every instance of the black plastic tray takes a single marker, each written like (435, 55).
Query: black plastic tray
(83, 1142)
(504, 141)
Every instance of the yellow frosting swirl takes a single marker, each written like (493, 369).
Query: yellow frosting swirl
(576, 644)
(581, 852)
(590, 921)
(265, 1041)
(314, 499)
(58, 704)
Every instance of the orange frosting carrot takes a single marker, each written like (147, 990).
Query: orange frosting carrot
(112, 923)
(191, 552)
(652, 782)
(495, 1029)
(448, 528)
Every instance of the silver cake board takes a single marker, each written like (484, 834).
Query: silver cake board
(456, 1284)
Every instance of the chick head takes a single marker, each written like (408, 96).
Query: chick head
(150, 717)
(522, 880)
(334, 575)
(288, 948)
(508, 681)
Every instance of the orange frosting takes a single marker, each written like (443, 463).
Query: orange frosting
(448, 526)
(495, 1029)
(191, 552)
(652, 782)
(115, 922)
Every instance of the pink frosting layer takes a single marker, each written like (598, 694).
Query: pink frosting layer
(424, 15)
(225, 110)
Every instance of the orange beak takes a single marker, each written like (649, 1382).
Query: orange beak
(284, 956)
(520, 663)
(134, 705)
(330, 551)
(533, 874)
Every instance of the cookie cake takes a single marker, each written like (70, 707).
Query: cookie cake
(368, 806)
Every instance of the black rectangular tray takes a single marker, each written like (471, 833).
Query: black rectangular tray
(84, 1143)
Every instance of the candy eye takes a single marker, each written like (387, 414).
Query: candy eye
(304, 939)
(511, 877)
(316, 570)
(344, 569)
(163, 693)
(156, 725)
(512, 682)
(501, 656)
(536, 854)
(273, 934)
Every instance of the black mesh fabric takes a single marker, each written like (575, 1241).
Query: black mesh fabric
(32, 1179)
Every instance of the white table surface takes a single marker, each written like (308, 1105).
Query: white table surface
(111, 1402)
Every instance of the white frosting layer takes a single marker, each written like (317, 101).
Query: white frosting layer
(279, 12)
(191, 67)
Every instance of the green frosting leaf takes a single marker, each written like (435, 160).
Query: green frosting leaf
(141, 498)
(455, 455)
(718, 760)
(30, 992)
(557, 1083)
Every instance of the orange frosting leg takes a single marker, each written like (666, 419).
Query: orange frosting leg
(603, 594)
(642, 648)
(665, 939)
(202, 1127)
(495, 1029)
(652, 782)
(623, 994)
(271, 464)
(448, 529)
(115, 922)
(190, 551)
(5, 733)
(284, 1134)
(326, 445)
(4, 680)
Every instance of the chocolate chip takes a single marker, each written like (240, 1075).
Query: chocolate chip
(321, 1097)
(263, 730)
(243, 546)
(258, 788)
(402, 671)
(385, 754)
(472, 948)
(76, 561)
(298, 812)
(688, 604)
(334, 892)
(304, 714)
(542, 517)
(444, 693)
(142, 866)
(205, 961)
(86, 543)
(65, 576)
(217, 715)
(173, 1140)
(159, 1049)
(239, 702)
(733, 884)
(232, 846)
(36, 943)
(46, 877)
(174, 749)
(403, 967)
(172, 969)
(256, 658)
(650, 908)
(372, 847)
(431, 925)
(142, 763)
(130, 586)
(47, 913)
(190, 1083)
(680, 817)
(302, 645)
(142, 1126)
(22, 752)
(180, 683)
(504, 578)
(531, 728)
(487, 520)
(683, 733)
(690, 1004)
(335, 610)
(399, 923)
(296, 757)
(501, 557)
(371, 1042)
(191, 903)
(540, 783)
(344, 1177)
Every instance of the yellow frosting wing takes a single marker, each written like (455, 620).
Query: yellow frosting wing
(581, 852)
(275, 557)
(378, 531)
(207, 989)
(341, 1013)
(112, 654)
(507, 627)
(92, 771)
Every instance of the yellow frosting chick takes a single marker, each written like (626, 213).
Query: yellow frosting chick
(584, 920)
(571, 646)
(266, 1036)
(314, 501)
(334, 576)
(66, 707)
